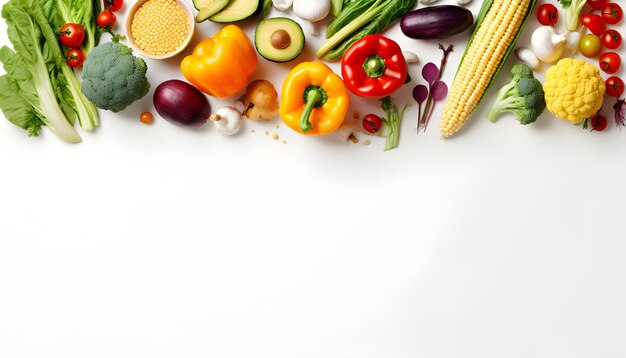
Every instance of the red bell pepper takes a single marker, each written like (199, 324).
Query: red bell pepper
(374, 67)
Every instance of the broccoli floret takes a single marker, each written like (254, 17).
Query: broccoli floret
(113, 78)
(523, 97)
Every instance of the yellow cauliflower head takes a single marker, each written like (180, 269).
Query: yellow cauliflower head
(574, 90)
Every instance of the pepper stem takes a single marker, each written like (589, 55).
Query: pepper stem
(374, 66)
(313, 96)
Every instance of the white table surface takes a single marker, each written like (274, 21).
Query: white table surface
(156, 241)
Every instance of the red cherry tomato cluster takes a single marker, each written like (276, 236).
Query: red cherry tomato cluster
(610, 14)
(106, 19)
(72, 35)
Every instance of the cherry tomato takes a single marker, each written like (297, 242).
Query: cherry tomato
(612, 14)
(75, 57)
(72, 35)
(610, 62)
(597, 4)
(598, 123)
(113, 5)
(594, 23)
(146, 118)
(614, 86)
(612, 39)
(372, 123)
(547, 15)
(590, 45)
(106, 19)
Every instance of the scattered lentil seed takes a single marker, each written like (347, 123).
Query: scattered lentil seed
(160, 27)
(356, 115)
(275, 136)
(284, 142)
(367, 142)
(266, 133)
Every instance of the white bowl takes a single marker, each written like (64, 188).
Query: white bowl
(129, 21)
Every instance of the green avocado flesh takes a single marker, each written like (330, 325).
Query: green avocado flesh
(208, 8)
(279, 39)
(236, 10)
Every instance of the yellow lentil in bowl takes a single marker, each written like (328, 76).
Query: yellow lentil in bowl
(160, 27)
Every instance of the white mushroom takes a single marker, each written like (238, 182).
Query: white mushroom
(312, 11)
(282, 5)
(227, 120)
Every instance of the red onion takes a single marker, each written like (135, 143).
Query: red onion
(181, 104)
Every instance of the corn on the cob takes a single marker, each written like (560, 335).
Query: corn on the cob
(497, 28)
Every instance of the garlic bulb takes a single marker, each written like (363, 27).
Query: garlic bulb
(227, 120)
(547, 44)
(463, 2)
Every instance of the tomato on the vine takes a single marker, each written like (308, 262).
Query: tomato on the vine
(598, 123)
(612, 39)
(75, 57)
(106, 19)
(548, 15)
(612, 13)
(372, 123)
(610, 62)
(113, 5)
(597, 4)
(614, 86)
(72, 35)
(594, 23)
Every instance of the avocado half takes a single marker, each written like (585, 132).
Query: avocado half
(236, 10)
(279, 39)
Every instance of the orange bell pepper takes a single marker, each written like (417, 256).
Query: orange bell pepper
(314, 99)
(221, 66)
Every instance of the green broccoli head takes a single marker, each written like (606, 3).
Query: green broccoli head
(521, 70)
(523, 97)
(113, 78)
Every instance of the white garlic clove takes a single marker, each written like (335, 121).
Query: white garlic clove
(410, 57)
(282, 5)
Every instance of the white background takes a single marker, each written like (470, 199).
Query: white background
(156, 241)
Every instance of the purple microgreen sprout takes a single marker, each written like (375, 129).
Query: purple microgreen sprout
(430, 72)
(429, 102)
(438, 92)
(420, 93)
(620, 113)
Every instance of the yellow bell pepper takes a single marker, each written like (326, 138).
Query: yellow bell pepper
(314, 99)
(221, 66)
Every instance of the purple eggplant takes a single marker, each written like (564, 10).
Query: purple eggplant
(436, 22)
